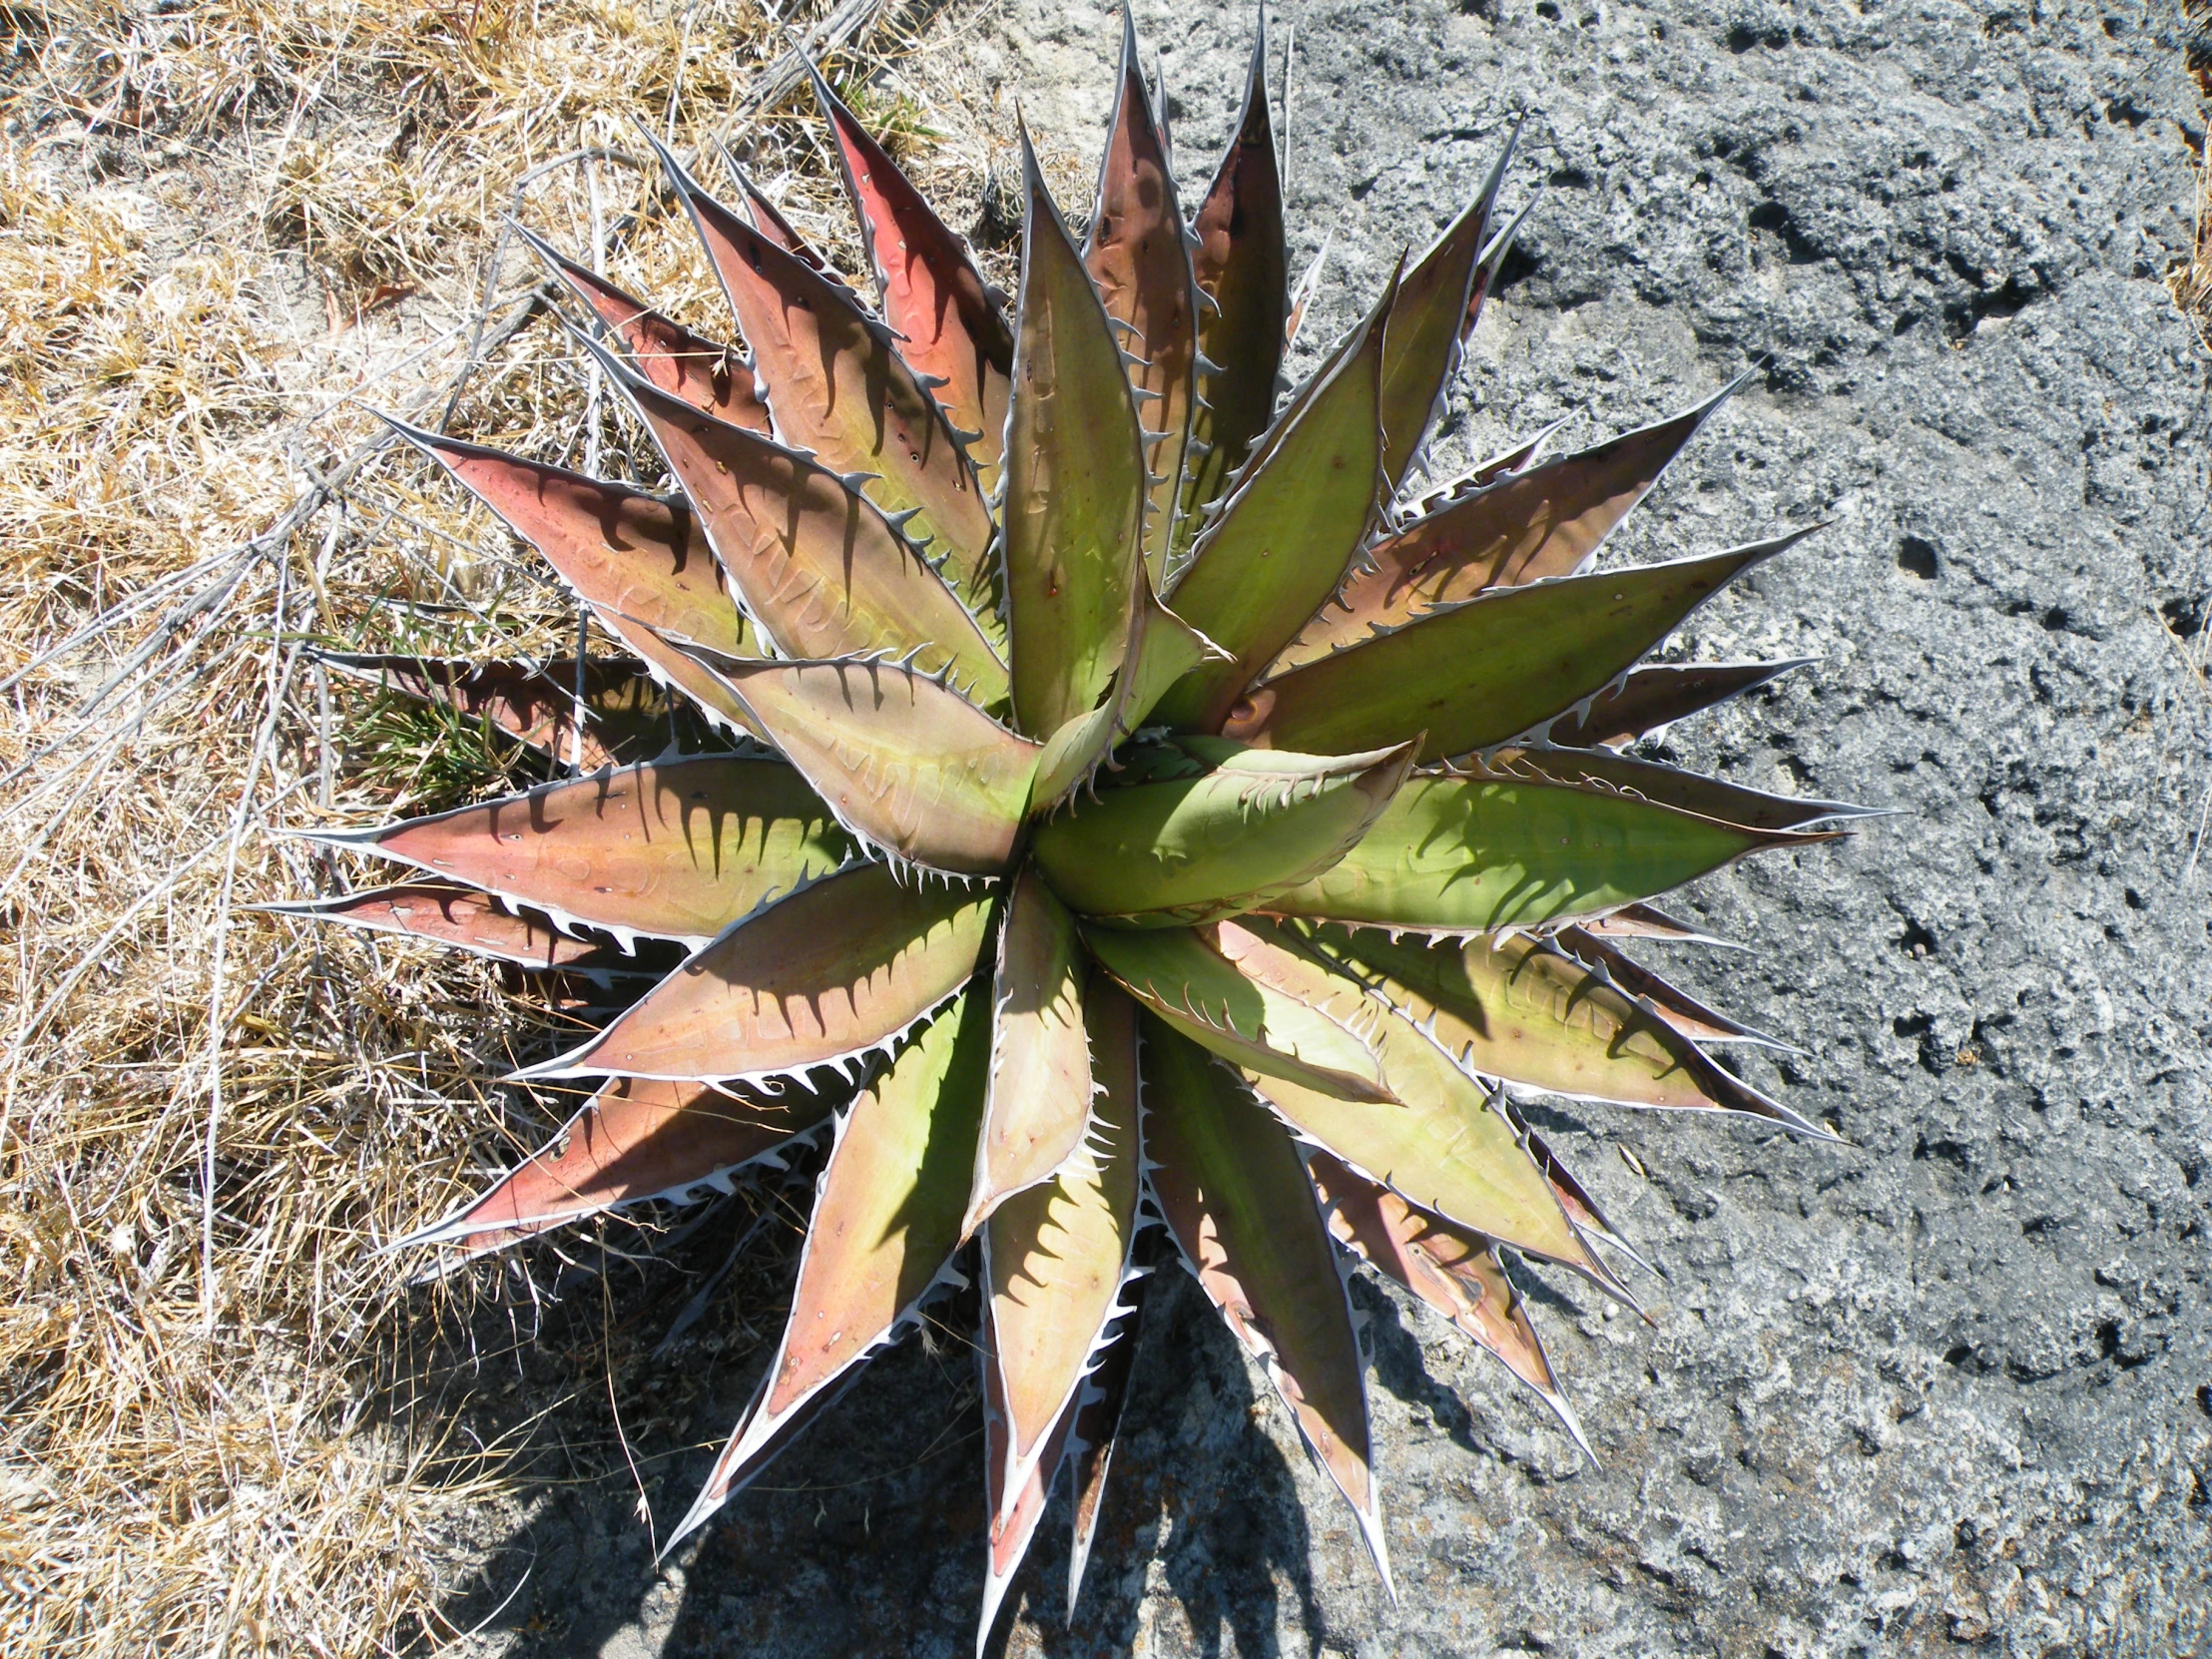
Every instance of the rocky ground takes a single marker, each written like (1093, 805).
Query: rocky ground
(1951, 1384)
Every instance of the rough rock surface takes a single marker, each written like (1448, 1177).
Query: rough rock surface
(1951, 1384)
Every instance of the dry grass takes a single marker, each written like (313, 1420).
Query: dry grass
(227, 231)
(2191, 280)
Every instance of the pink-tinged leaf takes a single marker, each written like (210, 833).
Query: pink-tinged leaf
(1454, 1271)
(1290, 524)
(1650, 699)
(1530, 526)
(946, 315)
(1258, 1005)
(906, 763)
(886, 1221)
(641, 563)
(1676, 1006)
(1055, 1254)
(821, 978)
(1643, 921)
(705, 373)
(1014, 1511)
(1519, 1009)
(669, 851)
(1137, 255)
(1242, 267)
(1072, 517)
(1040, 1092)
(1098, 1422)
(1238, 1202)
(837, 387)
(1432, 312)
(820, 570)
(446, 913)
(769, 220)
(1665, 786)
(1582, 1211)
(636, 1139)
(1487, 669)
(626, 712)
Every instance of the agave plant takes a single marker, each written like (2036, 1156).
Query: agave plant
(1130, 804)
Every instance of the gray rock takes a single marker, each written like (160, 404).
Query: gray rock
(1950, 1383)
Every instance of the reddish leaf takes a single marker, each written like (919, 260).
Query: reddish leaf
(1137, 254)
(672, 852)
(948, 317)
(626, 714)
(477, 923)
(837, 387)
(823, 977)
(636, 1139)
(705, 373)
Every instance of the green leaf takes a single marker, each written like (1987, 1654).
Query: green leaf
(1473, 855)
(1073, 514)
(820, 570)
(906, 763)
(1191, 849)
(821, 978)
(1242, 268)
(1529, 526)
(1455, 1270)
(1518, 1009)
(1651, 699)
(1237, 1199)
(636, 1139)
(1665, 786)
(1040, 1089)
(668, 852)
(447, 913)
(933, 296)
(705, 373)
(1162, 648)
(1292, 520)
(837, 386)
(1055, 1255)
(886, 1221)
(1443, 1142)
(1430, 313)
(1137, 255)
(1251, 1002)
(641, 563)
(1491, 667)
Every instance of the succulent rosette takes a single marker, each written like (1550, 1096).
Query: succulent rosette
(1130, 803)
